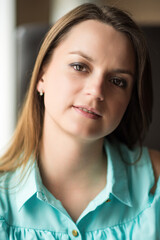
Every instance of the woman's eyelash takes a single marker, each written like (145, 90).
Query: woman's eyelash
(80, 67)
(120, 82)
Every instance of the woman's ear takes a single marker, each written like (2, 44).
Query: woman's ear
(40, 84)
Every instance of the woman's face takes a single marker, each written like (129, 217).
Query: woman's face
(88, 83)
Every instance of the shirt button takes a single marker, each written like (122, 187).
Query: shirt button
(75, 233)
(108, 200)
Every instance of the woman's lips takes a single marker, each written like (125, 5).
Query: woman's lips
(88, 112)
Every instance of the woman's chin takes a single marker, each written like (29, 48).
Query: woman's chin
(85, 133)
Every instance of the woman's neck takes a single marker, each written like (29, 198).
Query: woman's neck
(65, 159)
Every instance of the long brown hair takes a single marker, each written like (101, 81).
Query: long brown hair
(137, 118)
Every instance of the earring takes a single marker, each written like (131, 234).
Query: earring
(41, 93)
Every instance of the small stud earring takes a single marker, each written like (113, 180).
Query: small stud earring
(41, 92)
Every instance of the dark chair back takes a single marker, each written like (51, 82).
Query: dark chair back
(152, 34)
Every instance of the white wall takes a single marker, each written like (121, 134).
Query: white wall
(7, 71)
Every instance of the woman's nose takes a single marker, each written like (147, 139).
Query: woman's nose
(95, 88)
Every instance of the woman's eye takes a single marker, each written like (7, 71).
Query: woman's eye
(119, 82)
(79, 67)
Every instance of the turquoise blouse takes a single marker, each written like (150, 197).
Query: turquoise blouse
(125, 209)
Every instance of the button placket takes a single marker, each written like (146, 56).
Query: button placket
(74, 233)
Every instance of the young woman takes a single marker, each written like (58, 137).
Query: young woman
(76, 168)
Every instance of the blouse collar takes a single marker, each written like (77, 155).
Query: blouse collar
(116, 182)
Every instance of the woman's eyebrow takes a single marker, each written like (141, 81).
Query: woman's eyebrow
(80, 53)
(124, 71)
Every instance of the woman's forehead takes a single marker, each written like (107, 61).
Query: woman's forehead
(95, 33)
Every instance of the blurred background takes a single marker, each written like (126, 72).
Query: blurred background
(17, 17)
